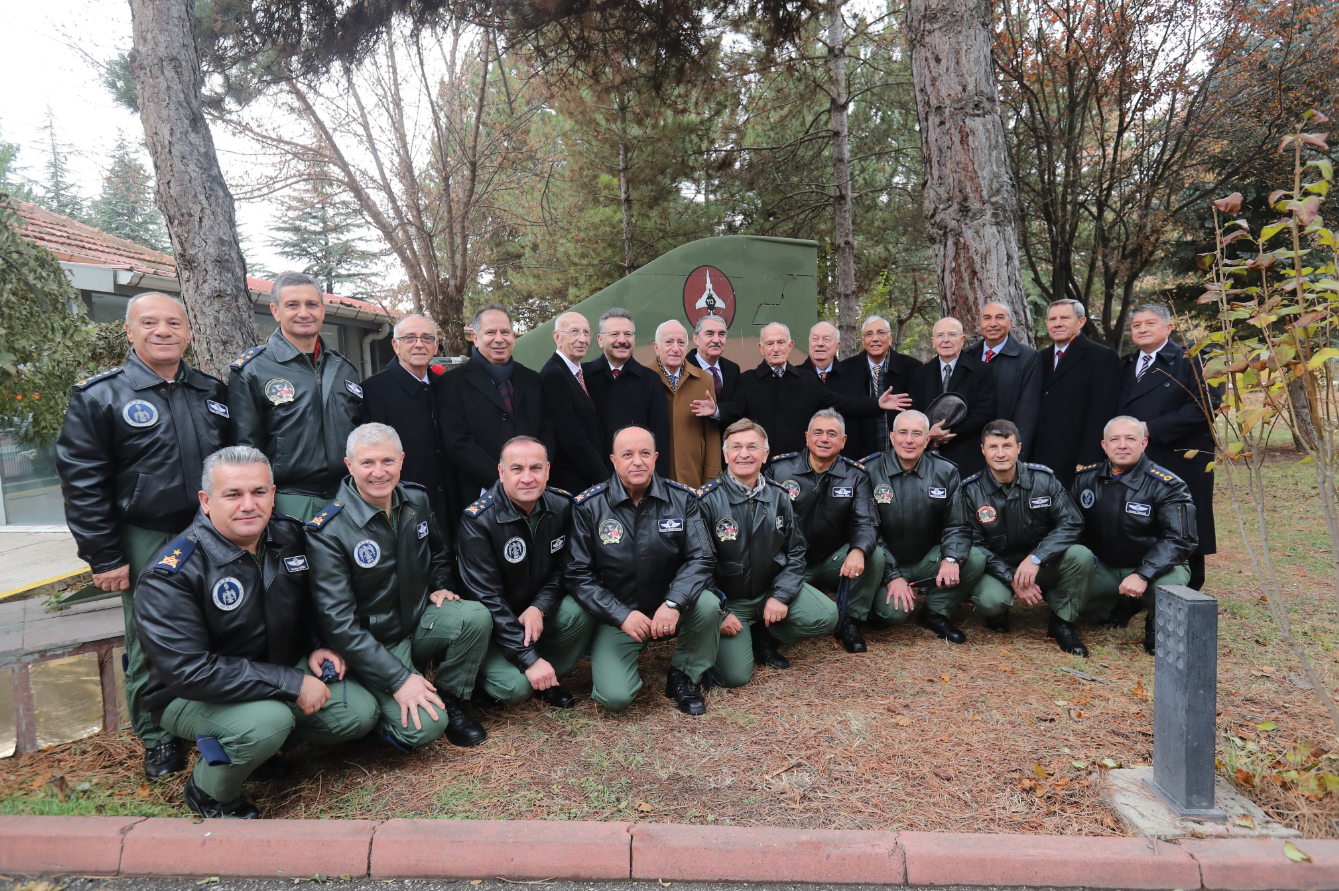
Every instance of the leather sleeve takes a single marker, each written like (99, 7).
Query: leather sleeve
(581, 581)
(88, 483)
(1066, 524)
(470, 458)
(442, 572)
(482, 580)
(864, 523)
(172, 631)
(956, 539)
(786, 585)
(337, 617)
(891, 570)
(695, 573)
(245, 421)
(1177, 537)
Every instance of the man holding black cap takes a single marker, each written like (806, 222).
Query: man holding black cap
(964, 377)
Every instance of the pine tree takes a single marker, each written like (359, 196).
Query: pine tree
(12, 181)
(324, 231)
(61, 194)
(125, 206)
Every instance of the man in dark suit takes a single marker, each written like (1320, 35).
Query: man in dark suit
(404, 396)
(1017, 372)
(487, 401)
(580, 460)
(868, 373)
(1163, 387)
(709, 336)
(954, 372)
(1080, 382)
(626, 393)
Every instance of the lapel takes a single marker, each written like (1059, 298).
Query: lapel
(1151, 379)
(480, 380)
(1077, 347)
(957, 382)
(404, 380)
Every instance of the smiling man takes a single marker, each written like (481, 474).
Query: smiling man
(876, 368)
(1016, 368)
(579, 456)
(626, 393)
(965, 377)
(694, 442)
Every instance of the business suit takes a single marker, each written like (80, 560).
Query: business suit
(579, 458)
(783, 404)
(863, 436)
(1017, 373)
(1077, 399)
(729, 374)
(1169, 398)
(397, 398)
(475, 421)
(635, 397)
(974, 381)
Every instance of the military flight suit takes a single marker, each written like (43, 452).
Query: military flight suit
(130, 457)
(228, 635)
(835, 511)
(626, 557)
(299, 415)
(760, 554)
(1032, 516)
(921, 522)
(510, 562)
(1140, 522)
(371, 574)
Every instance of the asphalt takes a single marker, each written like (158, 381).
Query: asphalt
(20, 883)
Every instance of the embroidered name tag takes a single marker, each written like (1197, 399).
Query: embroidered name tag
(295, 564)
(1141, 510)
(674, 525)
(938, 492)
(354, 389)
(843, 492)
(217, 408)
(423, 529)
(557, 544)
(1043, 501)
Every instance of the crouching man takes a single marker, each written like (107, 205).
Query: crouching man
(225, 618)
(384, 580)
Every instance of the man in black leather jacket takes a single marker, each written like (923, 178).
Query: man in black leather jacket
(383, 577)
(641, 564)
(129, 457)
(296, 399)
(834, 506)
(1139, 519)
(760, 562)
(1025, 523)
(513, 544)
(226, 622)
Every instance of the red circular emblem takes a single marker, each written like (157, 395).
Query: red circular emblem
(986, 514)
(708, 292)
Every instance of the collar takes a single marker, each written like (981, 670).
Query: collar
(142, 377)
(618, 494)
(1130, 476)
(764, 369)
(405, 368)
(828, 370)
(359, 510)
(985, 347)
(740, 489)
(1022, 479)
(283, 348)
(948, 365)
(217, 548)
(707, 366)
(507, 511)
(894, 466)
(571, 366)
(883, 365)
(831, 467)
(1154, 353)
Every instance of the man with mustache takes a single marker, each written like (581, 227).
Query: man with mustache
(626, 393)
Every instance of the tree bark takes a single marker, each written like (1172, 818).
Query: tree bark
(843, 220)
(971, 205)
(190, 190)
(624, 186)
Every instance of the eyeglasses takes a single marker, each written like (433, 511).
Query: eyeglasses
(752, 448)
(417, 338)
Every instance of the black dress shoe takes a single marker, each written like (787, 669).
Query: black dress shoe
(999, 624)
(1126, 609)
(202, 804)
(941, 626)
(686, 695)
(485, 703)
(556, 697)
(461, 729)
(765, 648)
(1066, 636)
(160, 761)
(1150, 636)
(849, 636)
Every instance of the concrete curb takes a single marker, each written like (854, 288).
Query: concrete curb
(461, 849)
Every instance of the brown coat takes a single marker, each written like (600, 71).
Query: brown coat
(695, 443)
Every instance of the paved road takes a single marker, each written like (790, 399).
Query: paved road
(33, 554)
(66, 884)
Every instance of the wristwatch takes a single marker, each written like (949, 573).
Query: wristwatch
(950, 559)
(1035, 559)
(672, 605)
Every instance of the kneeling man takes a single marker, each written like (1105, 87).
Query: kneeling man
(383, 578)
(225, 618)
(1029, 529)
(512, 543)
(760, 562)
(1139, 520)
(640, 564)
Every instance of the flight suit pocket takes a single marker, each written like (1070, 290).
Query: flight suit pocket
(129, 487)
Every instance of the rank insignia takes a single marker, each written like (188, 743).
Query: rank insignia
(611, 532)
(727, 529)
(883, 494)
(986, 514)
(175, 555)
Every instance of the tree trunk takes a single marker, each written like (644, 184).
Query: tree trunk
(843, 223)
(1304, 433)
(190, 189)
(971, 206)
(624, 188)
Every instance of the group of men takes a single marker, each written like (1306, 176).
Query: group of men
(299, 550)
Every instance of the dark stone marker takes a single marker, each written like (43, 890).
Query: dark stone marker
(1185, 700)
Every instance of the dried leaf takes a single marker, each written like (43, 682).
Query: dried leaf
(1244, 821)
(212, 880)
(1109, 763)
(663, 883)
(1229, 204)
(943, 774)
(1266, 726)
(1062, 783)
(1079, 765)
(1295, 854)
(645, 807)
(1244, 778)
(1039, 772)
(477, 882)
(1027, 784)
(903, 721)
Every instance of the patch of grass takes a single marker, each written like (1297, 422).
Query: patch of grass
(90, 804)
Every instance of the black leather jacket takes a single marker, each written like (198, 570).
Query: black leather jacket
(131, 451)
(627, 556)
(371, 580)
(299, 416)
(759, 546)
(1033, 516)
(1142, 518)
(841, 514)
(918, 509)
(219, 624)
(508, 568)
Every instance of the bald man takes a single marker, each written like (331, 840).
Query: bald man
(953, 371)
(578, 459)
(1016, 368)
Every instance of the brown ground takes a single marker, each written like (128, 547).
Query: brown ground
(992, 736)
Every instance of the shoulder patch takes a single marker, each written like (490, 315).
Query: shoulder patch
(678, 485)
(176, 554)
(971, 479)
(786, 455)
(711, 484)
(593, 490)
(559, 491)
(474, 509)
(279, 516)
(868, 458)
(240, 361)
(414, 485)
(1086, 467)
(1161, 473)
(100, 376)
(1041, 467)
(853, 463)
(324, 516)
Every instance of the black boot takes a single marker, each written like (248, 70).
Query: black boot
(1124, 611)
(849, 636)
(461, 729)
(160, 761)
(1150, 635)
(1066, 636)
(484, 702)
(202, 804)
(765, 648)
(941, 626)
(999, 624)
(556, 697)
(686, 695)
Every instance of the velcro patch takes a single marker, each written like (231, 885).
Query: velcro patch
(354, 389)
(938, 492)
(217, 408)
(296, 564)
(843, 491)
(1043, 501)
(1139, 510)
(672, 525)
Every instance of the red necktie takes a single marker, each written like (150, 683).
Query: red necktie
(581, 379)
(1059, 354)
(615, 371)
(990, 354)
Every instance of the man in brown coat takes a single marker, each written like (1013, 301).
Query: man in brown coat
(695, 443)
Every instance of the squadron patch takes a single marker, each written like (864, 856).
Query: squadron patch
(883, 494)
(1087, 498)
(228, 594)
(986, 514)
(354, 389)
(611, 532)
(422, 529)
(217, 408)
(792, 489)
(514, 550)
(138, 413)
(367, 553)
(280, 391)
(727, 529)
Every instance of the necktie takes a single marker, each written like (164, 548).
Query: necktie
(990, 354)
(615, 371)
(948, 373)
(505, 390)
(1059, 354)
(823, 376)
(716, 378)
(881, 419)
(581, 379)
(1146, 361)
